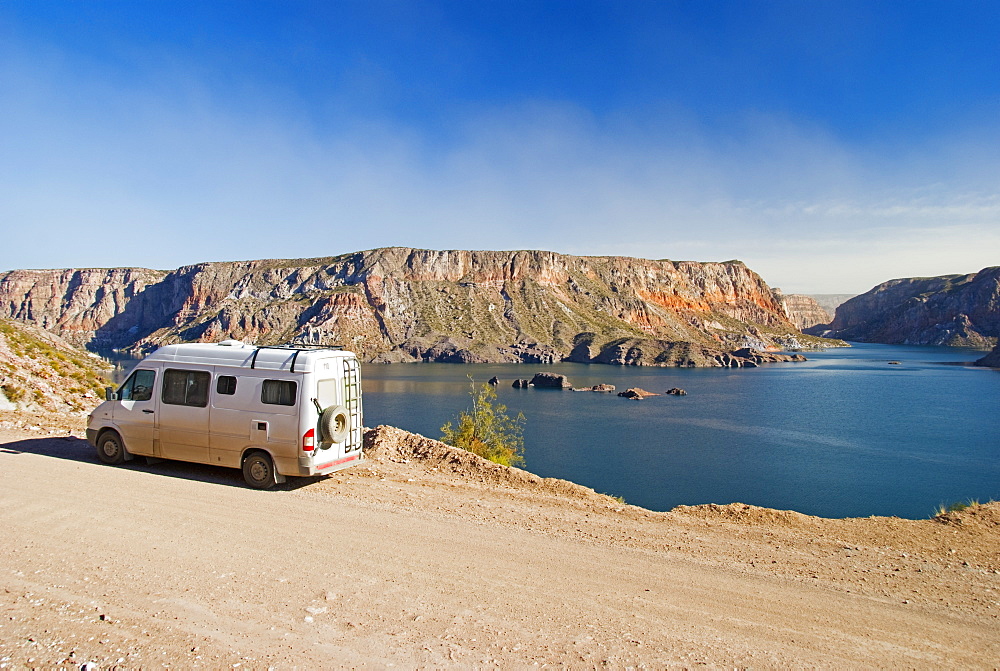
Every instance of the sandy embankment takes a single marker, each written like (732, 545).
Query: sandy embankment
(426, 557)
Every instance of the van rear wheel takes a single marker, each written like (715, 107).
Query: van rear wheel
(110, 448)
(258, 470)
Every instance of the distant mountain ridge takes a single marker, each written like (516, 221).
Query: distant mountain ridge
(402, 304)
(956, 310)
(803, 311)
(830, 302)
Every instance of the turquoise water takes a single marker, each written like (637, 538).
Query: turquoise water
(843, 434)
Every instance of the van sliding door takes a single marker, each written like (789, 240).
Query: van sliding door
(184, 415)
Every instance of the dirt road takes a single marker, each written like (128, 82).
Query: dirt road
(404, 565)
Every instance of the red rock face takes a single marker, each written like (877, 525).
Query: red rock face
(492, 305)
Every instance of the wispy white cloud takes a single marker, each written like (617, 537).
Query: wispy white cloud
(166, 172)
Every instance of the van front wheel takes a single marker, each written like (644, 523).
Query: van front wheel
(258, 470)
(110, 448)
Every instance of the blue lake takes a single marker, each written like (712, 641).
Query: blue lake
(844, 434)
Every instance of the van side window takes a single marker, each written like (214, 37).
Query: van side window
(226, 384)
(138, 387)
(278, 392)
(186, 387)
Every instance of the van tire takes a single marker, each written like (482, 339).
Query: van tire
(258, 470)
(110, 448)
(334, 424)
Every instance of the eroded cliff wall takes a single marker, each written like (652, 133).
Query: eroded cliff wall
(803, 311)
(830, 302)
(75, 304)
(401, 304)
(956, 310)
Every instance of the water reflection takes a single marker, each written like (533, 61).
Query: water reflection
(845, 433)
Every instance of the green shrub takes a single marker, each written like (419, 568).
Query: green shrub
(956, 507)
(12, 392)
(488, 430)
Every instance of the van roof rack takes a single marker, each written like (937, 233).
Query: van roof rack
(305, 345)
(297, 348)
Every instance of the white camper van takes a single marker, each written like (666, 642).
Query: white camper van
(271, 411)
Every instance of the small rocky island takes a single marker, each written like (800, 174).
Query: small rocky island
(636, 394)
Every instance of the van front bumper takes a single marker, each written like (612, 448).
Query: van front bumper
(92, 437)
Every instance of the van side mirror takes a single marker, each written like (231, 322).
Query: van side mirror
(110, 394)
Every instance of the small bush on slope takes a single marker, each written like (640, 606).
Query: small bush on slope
(488, 430)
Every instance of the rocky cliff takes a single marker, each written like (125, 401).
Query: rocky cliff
(830, 302)
(803, 311)
(399, 304)
(78, 304)
(958, 310)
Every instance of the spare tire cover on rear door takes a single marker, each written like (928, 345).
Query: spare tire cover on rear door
(334, 424)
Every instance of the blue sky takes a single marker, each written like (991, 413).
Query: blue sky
(829, 145)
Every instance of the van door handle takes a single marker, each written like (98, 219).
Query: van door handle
(148, 412)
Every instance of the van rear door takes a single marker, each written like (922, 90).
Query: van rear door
(343, 390)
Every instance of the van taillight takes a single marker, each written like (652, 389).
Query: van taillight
(309, 440)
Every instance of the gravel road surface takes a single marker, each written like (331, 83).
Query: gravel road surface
(402, 564)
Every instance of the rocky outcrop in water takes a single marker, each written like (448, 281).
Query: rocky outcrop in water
(956, 310)
(748, 358)
(636, 394)
(991, 360)
(400, 304)
(550, 381)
